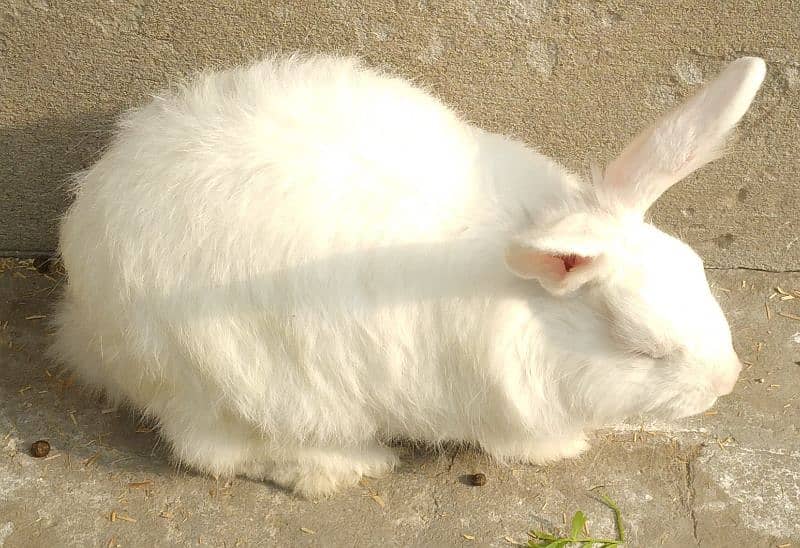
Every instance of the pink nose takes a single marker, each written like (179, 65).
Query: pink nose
(724, 381)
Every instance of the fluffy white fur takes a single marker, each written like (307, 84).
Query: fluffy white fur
(290, 263)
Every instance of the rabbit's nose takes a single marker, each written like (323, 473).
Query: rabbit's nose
(724, 381)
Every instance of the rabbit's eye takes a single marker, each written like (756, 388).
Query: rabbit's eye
(650, 353)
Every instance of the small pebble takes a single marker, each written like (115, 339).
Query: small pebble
(40, 449)
(759, 380)
(478, 479)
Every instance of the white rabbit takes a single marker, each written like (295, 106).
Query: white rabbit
(289, 264)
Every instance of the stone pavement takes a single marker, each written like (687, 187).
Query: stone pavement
(728, 478)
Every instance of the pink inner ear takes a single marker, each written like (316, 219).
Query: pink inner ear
(552, 267)
(574, 261)
(556, 267)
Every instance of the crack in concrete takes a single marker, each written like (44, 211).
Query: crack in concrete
(436, 510)
(690, 497)
(453, 458)
(691, 493)
(753, 269)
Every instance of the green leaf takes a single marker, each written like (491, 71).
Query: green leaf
(534, 544)
(543, 535)
(617, 517)
(558, 543)
(578, 521)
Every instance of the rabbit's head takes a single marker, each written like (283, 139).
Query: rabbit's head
(662, 330)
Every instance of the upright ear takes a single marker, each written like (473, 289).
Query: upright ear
(563, 257)
(683, 140)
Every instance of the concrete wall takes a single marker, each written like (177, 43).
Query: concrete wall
(576, 79)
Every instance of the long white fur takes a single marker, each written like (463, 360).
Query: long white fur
(291, 263)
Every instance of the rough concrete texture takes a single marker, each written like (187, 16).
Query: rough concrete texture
(576, 79)
(728, 478)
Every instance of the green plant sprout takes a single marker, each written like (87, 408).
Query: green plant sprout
(542, 539)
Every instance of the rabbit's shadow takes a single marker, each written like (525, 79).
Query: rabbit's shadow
(41, 401)
(37, 160)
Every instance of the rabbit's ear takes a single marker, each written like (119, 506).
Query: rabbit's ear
(683, 140)
(563, 257)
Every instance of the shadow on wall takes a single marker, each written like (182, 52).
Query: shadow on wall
(36, 162)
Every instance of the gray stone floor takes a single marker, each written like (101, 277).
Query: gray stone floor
(728, 478)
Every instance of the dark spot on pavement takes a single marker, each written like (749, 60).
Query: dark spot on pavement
(724, 241)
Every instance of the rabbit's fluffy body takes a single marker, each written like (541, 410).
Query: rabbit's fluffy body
(290, 263)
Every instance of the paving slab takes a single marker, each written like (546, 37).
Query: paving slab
(730, 477)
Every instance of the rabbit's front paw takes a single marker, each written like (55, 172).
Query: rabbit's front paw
(537, 451)
(317, 473)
